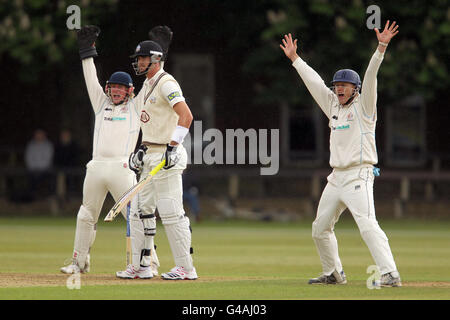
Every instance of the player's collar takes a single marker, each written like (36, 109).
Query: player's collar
(150, 81)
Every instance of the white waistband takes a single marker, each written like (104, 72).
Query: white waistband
(364, 165)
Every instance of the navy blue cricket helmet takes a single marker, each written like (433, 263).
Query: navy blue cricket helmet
(120, 77)
(347, 75)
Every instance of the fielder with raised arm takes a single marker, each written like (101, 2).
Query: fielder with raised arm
(115, 135)
(352, 113)
(165, 121)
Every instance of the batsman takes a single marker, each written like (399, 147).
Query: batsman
(165, 121)
(352, 112)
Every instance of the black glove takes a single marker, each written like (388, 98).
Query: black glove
(163, 36)
(135, 161)
(86, 41)
(171, 157)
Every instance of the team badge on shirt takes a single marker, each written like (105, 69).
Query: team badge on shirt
(350, 117)
(144, 116)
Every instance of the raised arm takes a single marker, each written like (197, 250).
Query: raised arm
(95, 90)
(314, 83)
(369, 85)
(86, 42)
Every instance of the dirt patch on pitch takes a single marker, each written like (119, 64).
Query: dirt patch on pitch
(17, 280)
(427, 284)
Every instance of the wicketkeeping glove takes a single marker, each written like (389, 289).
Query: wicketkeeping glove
(171, 157)
(86, 41)
(135, 162)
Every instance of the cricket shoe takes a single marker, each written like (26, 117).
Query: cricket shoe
(334, 278)
(73, 267)
(179, 273)
(132, 273)
(391, 279)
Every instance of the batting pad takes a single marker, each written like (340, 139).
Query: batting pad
(137, 240)
(149, 244)
(179, 236)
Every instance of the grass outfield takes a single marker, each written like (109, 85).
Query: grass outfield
(234, 260)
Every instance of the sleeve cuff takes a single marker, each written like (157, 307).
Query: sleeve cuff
(297, 62)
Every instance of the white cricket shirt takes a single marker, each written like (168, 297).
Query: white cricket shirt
(158, 119)
(352, 136)
(116, 127)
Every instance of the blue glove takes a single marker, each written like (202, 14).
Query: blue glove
(376, 171)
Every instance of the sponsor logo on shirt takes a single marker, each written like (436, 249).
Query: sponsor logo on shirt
(152, 99)
(173, 95)
(342, 127)
(115, 118)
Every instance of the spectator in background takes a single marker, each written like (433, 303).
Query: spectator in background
(39, 161)
(190, 194)
(67, 157)
(67, 151)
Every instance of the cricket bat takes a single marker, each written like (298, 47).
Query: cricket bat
(127, 196)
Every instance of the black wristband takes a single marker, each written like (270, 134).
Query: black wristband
(88, 53)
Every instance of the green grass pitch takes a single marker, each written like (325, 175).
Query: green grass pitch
(235, 260)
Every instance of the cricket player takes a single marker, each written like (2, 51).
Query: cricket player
(165, 121)
(352, 113)
(116, 132)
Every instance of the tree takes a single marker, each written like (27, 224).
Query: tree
(333, 35)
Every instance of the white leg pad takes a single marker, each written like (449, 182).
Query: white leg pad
(179, 236)
(137, 239)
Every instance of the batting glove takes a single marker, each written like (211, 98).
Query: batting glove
(135, 162)
(171, 157)
(86, 37)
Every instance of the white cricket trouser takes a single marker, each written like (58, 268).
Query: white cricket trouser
(353, 189)
(101, 177)
(165, 193)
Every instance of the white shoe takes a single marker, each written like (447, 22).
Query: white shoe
(334, 278)
(391, 279)
(73, 267)
(179, 273)
(131, 273)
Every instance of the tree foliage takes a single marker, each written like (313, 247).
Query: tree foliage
(333, 35)
(34, 33)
